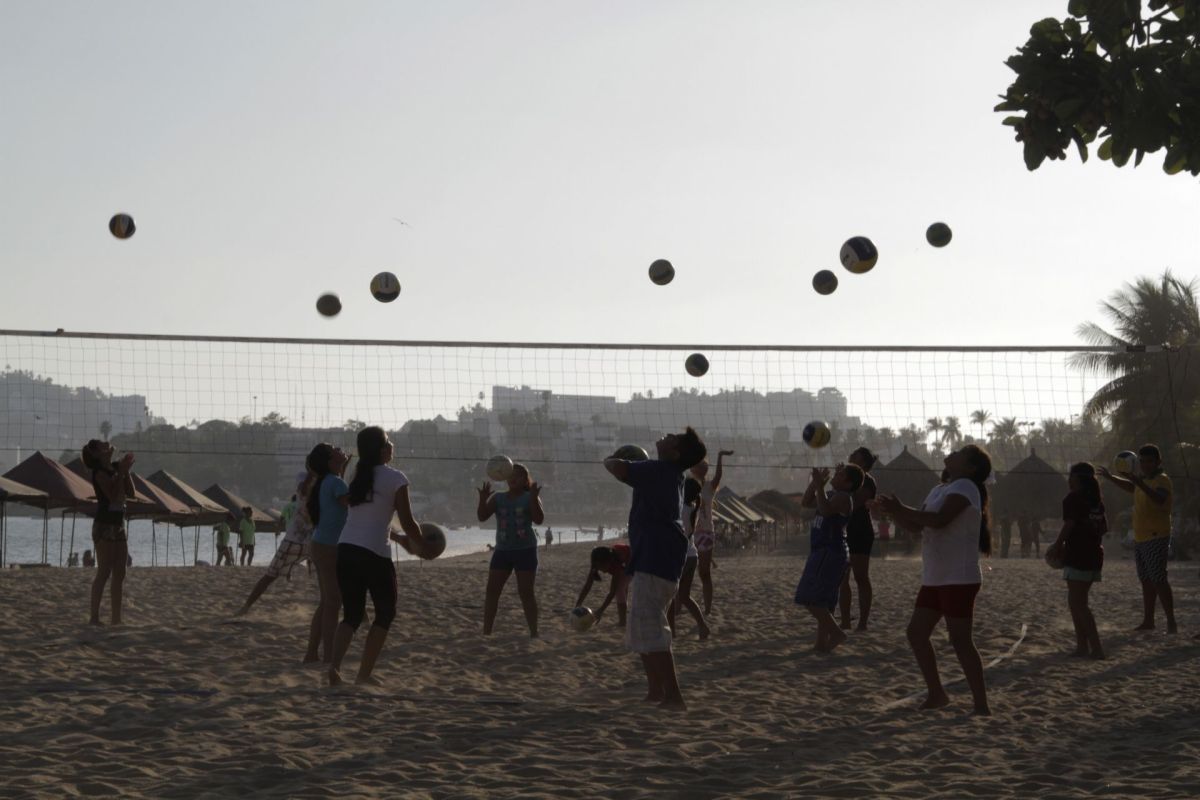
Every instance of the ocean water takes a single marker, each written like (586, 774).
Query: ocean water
(166, 545)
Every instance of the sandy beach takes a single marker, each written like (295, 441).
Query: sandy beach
(188, 701)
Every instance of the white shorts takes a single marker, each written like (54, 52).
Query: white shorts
(647, 629)
(287, 556)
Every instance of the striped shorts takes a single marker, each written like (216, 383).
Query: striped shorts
(1151, 559)
(647, 629)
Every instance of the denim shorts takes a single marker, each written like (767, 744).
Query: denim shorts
(523, 560)
(1072, 574)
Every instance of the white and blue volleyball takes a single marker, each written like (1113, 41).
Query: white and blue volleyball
(499, 468)
(581, 618)
(1125, 461)
(859, 254)
(816, 434)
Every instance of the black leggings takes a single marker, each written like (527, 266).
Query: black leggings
(360, 571)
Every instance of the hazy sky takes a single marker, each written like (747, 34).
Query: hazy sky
(544, 153)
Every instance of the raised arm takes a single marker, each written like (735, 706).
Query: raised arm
(536, 512)
(715, 483)
(1125, 484)
(618, 468)
(487, 502)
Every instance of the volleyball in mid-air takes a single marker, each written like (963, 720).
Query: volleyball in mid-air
(499, 468)
(859, 254)
(121, 226)
(661, 272)
(631, 452)
(385, 287)
(938, 234)
(433, 541)
(1125, 461)
(825, 282)
(696, 365)
(582, 618)
(816, 434)
(328, 305)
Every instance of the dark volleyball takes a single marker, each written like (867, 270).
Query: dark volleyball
(696, 365)
(328, 305)
(816, 434)
(385, 287)
(121, 226)
(859, 254)
(938, 234)
(631, 452)
(661, 272)
(825, 282)
(433, 541)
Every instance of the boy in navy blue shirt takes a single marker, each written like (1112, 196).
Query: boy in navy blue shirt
(659, 548)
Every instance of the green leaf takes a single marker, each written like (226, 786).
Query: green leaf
(1080, 145)
(1014, 121)
(1121, 153)
(1077, 8)
(1175, 160)
(1034, 155)
(1007, 106)
(1104, 151)
(1137, 162)
(1067, 109)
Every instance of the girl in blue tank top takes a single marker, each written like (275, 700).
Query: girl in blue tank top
(517, 511)
(828, 556)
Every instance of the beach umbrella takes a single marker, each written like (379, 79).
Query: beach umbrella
(14, 492)
(907, 477)
(1032, 488)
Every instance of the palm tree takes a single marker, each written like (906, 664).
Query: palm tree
(1006, 431)
(1151, 396)
(934, 427)
(981, 417)
(951, 433)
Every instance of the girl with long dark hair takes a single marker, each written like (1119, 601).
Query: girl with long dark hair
(860, 539)
(1080, 547)
(112, 486)
(325, 464)
(955, 530)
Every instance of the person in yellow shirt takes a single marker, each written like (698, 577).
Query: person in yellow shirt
(1152, 495)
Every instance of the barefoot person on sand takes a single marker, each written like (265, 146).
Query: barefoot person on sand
(517, 511)
(113, 486)
(860, 539)
(1080, 547)
(704, 536)
(326, 464)
(1152, 498)
(292, 550)
(612, 561)
(828, 557)
(954, 531)
(658, 548)
(364, 555)
(683, 598)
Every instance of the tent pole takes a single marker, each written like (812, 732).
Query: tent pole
(3, 534)
(153, 544)
(196, 546)
(182, 549)
(73, 518)
(46, 536)
(62, 528)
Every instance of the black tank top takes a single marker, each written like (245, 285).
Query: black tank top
(860, 517)
(104, 514)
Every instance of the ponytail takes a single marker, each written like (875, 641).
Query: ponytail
(371, 442)
(317, 464)
(985, 526)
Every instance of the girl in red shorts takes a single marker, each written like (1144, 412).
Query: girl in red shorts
(954, 527)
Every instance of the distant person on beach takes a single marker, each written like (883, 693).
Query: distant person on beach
(88, 559)
(683, 597)
(1005, 526)
(364, 553)
(828, 555)
(1025, 531)
(224, 551)
(658, 548)
(611, 561)
(599, 533)
(73, 559)
(549, 536)
(246, 537)
(1035, 536)
(954, 531)
(517, 510)
(288, 511)
(705, 534)
(1079, 545)
(1152, 498)
(291, 551)
(860, 539)
(112, 485)
(326, 464)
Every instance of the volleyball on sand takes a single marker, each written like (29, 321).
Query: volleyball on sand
(825, 282)
(121, 226)
(499, 468)
(661, 272)
(696, 365)
(859, 254)
(433, 541)
(581, 618)
(816, 434)
(385, 287)
(328, 305)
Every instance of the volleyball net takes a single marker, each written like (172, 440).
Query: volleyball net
(245, 411)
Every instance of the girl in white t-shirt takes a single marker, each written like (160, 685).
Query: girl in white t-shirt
(704, 536)
(954, 527)
(364, 554)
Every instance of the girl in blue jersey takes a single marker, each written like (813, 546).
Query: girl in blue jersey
(828, 556)
(517, 511)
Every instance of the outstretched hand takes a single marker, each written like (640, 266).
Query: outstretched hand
(534, 491)
(820, 476)
(485, 490)
(127, 461)
(885, 504)
(725, 453)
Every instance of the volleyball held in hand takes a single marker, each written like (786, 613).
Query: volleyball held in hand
(433, 541)
(631, 452)
(121, 226)
(938, 234)
(582, 618)
(499, 468)
(825, 282)
(696, 365)
(859, 254)
(1125, 461)
(385, 287)
(816, 434)
(661, 272)
(328, 305)
(1054, 557)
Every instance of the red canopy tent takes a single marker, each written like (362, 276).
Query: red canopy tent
(13, 492)
(203, 510)
(63, 488)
